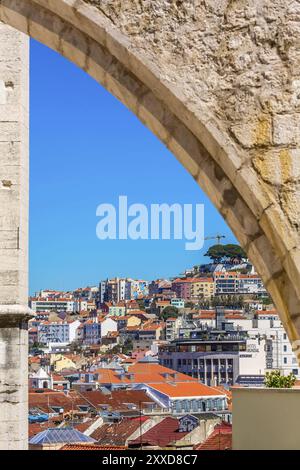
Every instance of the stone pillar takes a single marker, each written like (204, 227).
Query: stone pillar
(14, 312)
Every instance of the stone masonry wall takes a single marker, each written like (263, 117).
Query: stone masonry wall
(218, 81)
(14, 74)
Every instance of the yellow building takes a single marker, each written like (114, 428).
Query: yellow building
(202, 288)
(133, 321)
(61, 362)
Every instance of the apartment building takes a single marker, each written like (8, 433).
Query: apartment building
(279, 353)
(51, 304)
(117, 289)
(210, 356)
(251, 284)
(57, 332)
(117, 310)
(233, 283)
(95, 329)
(172, 328)
(178, 303)
(139, 288)
(202, 288)
(226, 283)
(182, 288)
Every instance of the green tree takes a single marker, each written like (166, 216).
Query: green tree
(219, 253)
(266, 300)
(274, 379)
(189, 305)
(234, 251)
(216, 253)
(169, 311)
(141, 304)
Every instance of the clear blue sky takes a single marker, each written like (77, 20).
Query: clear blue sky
(86, 148)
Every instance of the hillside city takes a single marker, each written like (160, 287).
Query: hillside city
(136, 364)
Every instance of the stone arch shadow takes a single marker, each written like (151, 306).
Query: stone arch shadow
(85, 36)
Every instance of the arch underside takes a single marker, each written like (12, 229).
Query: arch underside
(86, 37)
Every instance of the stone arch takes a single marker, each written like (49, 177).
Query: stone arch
(232, 123)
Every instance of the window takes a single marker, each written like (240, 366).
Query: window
(284, 348)
(285, 360)
(295, 371)
(284, 335)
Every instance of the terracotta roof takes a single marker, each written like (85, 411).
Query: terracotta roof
(34, 360)
(250, 276)
(86, 424)
(35, 428)
(142, 373)
(227, 274)
(58, 378)
(90, 447)
(205, 315)
(117, 399)
(186, 390)
(162, 434)
(117, 433)
(220, 439)
(266, 312)
(54, 398)
(193, 280)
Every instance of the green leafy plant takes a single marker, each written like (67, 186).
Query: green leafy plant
(274, 379)
(218, 253)
(169, 311)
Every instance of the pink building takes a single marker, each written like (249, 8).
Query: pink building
(182, 288)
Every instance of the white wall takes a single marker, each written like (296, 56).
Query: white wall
(73, 330)
(108, 325)
(253, 361)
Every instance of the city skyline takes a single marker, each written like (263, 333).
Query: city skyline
(64, 249)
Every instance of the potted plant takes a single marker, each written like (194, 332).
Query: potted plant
(274, 379)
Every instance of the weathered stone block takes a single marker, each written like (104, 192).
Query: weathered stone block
(286, 129)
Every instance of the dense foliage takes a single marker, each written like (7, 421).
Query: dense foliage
(219, 253)
(169, 311)
(274, 379)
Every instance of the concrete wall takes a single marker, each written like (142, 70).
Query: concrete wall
(266, 419)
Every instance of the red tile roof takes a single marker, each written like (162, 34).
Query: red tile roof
(85, 425)
(91, 447)
(184, 389)
(35, 428)
(117, 399)
(266, 312)
(142, 373)
(49, 398)
(220, 439)
(160, 435)
(117, 433)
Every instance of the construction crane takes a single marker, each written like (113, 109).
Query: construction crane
(216, 237)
